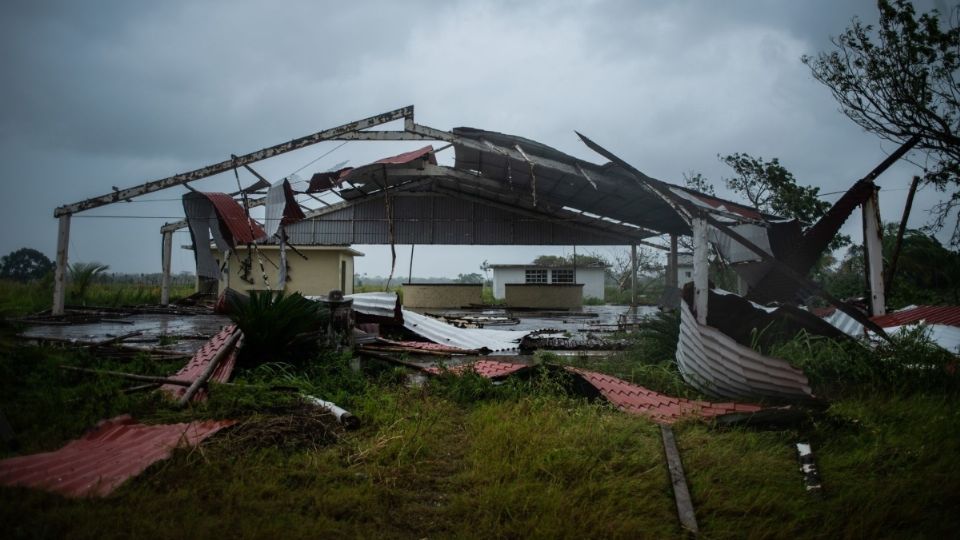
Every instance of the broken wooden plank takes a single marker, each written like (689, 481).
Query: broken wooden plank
(681, 493)
(811, 477)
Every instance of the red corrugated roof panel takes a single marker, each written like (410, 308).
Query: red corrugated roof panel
(243, 230)
(199, 362)
(628, 397)
(104, 458)
(946, 315)
(407, 157)
(635, 399)
(490, 369)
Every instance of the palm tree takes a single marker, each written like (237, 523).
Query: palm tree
(82, 275)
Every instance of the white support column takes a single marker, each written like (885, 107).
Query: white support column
(873, 244)
(60, 273)
(167, 252)
(701, 269)
(672, 280)
(633, 275)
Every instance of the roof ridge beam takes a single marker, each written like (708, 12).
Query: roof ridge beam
(405, 113)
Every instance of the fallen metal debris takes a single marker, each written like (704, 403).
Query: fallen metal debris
(715, 364)
(103, 459)
(221, 346)
(480, 339)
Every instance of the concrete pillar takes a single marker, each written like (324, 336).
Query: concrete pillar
(672, 280)
(167, 251)
(60, 273)
(873, 247)
(633, 275)
(701, 269)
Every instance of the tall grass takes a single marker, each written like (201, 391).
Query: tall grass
(910, 362)
(18, 298)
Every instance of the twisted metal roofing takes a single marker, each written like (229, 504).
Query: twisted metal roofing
(715, 364)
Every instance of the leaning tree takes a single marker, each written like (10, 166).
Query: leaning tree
(900, 79)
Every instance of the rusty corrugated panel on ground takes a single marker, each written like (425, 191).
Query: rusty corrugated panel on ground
(635, 399)
(196, 365)
(628, 397)
(421, 345)
(717, 365)
(100, 461)
(491, 369)
(948, 315)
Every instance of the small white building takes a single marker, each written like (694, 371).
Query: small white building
(592, 277)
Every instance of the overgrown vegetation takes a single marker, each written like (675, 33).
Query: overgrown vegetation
(277, 325)
(463, 456)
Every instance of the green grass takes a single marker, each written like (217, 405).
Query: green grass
(18, 298)
(464, 458)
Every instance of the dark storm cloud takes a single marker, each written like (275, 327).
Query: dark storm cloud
(117, 93)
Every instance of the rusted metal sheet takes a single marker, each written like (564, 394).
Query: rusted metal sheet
(198, 363)
(491, 369)
(100, 461)
(717, 365)
(628, 397)
(243, 230)
(635, 399)
(948, 315)
(223, 166)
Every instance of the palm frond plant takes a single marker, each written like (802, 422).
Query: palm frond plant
(277, 327)
(81, 276)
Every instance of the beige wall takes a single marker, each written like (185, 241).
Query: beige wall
(544, 295)
(442, 295)
(317, 275)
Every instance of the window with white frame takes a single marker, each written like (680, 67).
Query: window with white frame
(535, 276)
(563, 275)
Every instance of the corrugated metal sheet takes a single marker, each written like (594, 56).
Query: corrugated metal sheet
(377, 304)
(104, 458)
(232, 216)
(943, 335)
(413, 155)
(462, 338)
(628, 397)
(490, 369)
(845, 323)
(198, 363)
(717, 365)
(946, 315)
(635, 399)
(437, 220)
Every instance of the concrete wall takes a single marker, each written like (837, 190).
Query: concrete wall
(592, 280)
(544, 295)
(442, 295)
(502, 276)
(318, 275)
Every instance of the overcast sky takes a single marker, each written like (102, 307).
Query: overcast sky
(102, 94)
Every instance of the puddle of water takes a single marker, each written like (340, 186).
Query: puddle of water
(151, 325)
